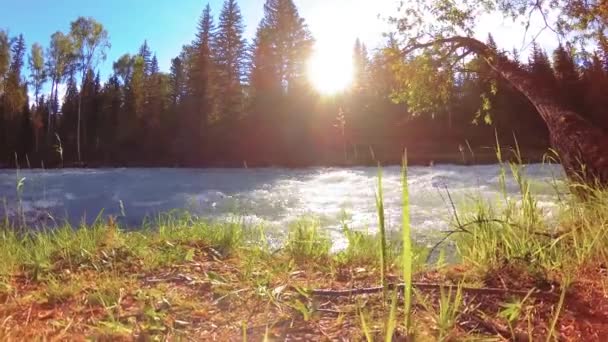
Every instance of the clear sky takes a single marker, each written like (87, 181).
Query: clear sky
(169, 24)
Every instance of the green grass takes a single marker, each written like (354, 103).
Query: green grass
(509, 240)
(408, 249)
(307, 241)
(381, 230)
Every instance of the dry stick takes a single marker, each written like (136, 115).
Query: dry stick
(489, 326)
(423, 286)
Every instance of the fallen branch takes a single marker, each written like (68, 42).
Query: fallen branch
(435, 287)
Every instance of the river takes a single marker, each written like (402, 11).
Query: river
(271, 196)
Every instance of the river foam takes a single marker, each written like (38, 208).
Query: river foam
(273, 197)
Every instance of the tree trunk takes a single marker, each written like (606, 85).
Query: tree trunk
(78, 130)
(582, 146)
(51, 112)
(78, 119)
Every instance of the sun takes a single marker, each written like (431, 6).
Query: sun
(330, 69)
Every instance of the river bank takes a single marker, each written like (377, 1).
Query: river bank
(205, 283)
(517, 274)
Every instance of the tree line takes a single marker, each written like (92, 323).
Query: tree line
(228, 101)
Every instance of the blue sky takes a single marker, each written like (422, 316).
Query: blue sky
(169, 24)
(166, 24)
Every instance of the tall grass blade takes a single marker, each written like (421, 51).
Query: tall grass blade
(407, 245)
(392, 319)
(365, 327)
(382, 228)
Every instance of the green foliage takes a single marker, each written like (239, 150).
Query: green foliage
(37, 68)
(201, 81)
(229, 48)
(513, 311)
(448, 311)
(436, 54)
(518, 232)
(5, 57)
(15, 94)
(306, 241)
(500, 235)
(408, 249)
(253, 104)
(362, 247)
(58, 291)
(422, 85)
(90, 41)
(286, 36)
(60, 55)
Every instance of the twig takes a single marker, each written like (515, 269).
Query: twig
(335, 312)
(489, 326)
(6, 321)
(454, 211)
(424, 286)
(461, 229)
(29, 314)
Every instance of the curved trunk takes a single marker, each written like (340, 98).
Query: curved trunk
(581, 145)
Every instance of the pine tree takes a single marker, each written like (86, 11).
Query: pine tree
(201, 81)
(146, 54)
(15, 97)
(265, 87)
(110, 117)
(95, 108)
(5, 59)
(88, 94)
(595, 80)
(278, 84)
(154, 69)
(516, 56)
(24, 130)
(360, 65)
(39, 121)
(69, 117)
(155, 94)
(179, 97)
(230, 58)
(177, 83)
(290, 42)
(567, 76)
(540, 66)
(136, 88)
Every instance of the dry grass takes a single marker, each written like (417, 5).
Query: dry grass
(255, 292)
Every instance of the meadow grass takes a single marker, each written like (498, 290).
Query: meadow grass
(181, 275)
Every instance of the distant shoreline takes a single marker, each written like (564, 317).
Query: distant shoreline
(480, 157)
